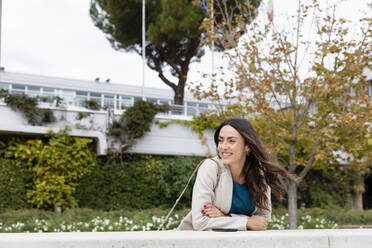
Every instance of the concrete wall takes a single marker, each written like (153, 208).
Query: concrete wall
(172, 140)
(347, 238)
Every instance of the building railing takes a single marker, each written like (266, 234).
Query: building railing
(118, 103)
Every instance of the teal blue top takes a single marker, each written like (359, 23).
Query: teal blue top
(241, 200)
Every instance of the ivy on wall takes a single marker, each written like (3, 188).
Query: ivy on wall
(134, 123)
(28, 106)
(91, 104)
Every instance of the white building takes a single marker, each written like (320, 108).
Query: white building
(114, 98)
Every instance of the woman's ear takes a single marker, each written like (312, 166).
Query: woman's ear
(247, 149)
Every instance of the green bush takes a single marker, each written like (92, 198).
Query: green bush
(141, 181)
(13, 185)
(55, 166)
(324, 189)
(173, 176)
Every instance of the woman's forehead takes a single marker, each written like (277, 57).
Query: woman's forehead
(229, 131)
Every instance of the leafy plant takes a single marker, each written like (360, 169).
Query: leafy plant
(82, 115)
(56, 165)
(28, 106)
(56, 100)
(13, 185)
(139, 182)
(91, 104)
(135, 122)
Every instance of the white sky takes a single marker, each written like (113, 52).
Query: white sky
(58, 38)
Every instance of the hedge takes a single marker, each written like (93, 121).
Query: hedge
(140, 181)
(14, 183)
(147, 181)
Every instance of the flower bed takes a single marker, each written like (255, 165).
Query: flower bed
(99, 224)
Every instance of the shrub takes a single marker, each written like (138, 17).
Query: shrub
(324, 189)
(173, 176)
(13, 185)
(55, 166)
(141, 181)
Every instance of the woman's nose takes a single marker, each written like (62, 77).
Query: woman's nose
(223, 145)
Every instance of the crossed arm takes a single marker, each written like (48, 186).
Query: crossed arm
(206, 216)
(255, 222)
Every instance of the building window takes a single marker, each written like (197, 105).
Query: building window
(80, 98)
(203, 107)
(153, 100)
(164, 102)
(48, 92)
(126, 101)
(191, 108)
(68, 96)
(18, 89)
(109, 101)
(33, 91)
(4, 86)
(96, 97)
(136, 98)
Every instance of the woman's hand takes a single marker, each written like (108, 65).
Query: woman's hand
(257, 223)
(212, 211)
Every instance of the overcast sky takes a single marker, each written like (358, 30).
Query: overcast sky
(58, 38)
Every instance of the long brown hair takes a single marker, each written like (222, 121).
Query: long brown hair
(258, 171)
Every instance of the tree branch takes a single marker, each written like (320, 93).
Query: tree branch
(309, 163)
(165, 56)
(157, 67)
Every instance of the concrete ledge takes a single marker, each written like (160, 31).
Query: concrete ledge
(35, 130)
(344, 238)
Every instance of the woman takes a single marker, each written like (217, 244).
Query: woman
(240, 197)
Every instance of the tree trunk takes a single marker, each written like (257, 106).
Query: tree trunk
(357, 194)
(357, 201)
(179, 91)
(292, 205)
(178, 95)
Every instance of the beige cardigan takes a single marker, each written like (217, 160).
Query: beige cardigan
(203, 193)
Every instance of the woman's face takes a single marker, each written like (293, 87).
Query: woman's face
(231, 146)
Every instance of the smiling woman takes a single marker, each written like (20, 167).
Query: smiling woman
(236, 196)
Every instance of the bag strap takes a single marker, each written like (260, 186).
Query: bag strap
(219, 172)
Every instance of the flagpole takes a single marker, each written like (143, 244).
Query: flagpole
(212, 16)
(143, 48)
(1, 3)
